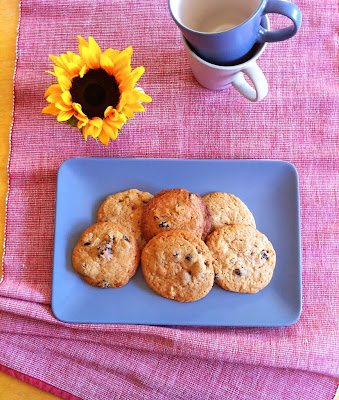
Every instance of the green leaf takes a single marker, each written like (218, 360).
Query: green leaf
(72, 122)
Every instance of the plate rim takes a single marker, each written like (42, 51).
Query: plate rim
(290, 165)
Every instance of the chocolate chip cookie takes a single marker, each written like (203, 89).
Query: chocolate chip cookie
(176, 209)
(228, 209)
(244, 259)
(178, 265)
(107, 255)
(126, 208)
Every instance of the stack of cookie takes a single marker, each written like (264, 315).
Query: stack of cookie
(186, 243)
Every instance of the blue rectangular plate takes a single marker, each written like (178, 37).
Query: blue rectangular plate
(270, 190)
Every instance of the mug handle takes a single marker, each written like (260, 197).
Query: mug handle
(257, 78)
(287, 9)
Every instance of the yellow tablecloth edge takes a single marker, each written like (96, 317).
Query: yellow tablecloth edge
(4, 222)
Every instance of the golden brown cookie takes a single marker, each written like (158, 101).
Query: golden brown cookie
(176, 209)
(125, 208)
(178, 265)
(228, 209)
(107, 255)
(244, 259)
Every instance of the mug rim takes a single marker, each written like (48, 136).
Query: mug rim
(212, 33)
(227, 67)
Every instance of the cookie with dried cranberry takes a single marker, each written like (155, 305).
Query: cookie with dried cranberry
(228, 209)
(176, 209)
(178, 265)
(107, 255)
(244, 259)
(126, 208)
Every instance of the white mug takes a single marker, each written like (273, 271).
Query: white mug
(218, 77)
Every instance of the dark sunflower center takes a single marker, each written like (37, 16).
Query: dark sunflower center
(95, 92)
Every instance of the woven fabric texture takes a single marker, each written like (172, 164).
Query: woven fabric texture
(296, 122)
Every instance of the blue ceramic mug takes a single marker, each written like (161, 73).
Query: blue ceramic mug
(224, 31)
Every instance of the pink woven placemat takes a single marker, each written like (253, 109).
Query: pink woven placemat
(297, 122)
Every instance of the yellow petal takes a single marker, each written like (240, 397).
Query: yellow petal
(107, 64)
(114, 119)
(51, 109)
(140, 96)
(54, 98)
(112, 54)
(90, 59)
(104, 138)
(132, 79)
(129, 107)
(67, 98)
(109, 131)
(63, 107)
(136, 107)
(55, 88)
(90, 52)
(107, 111)
(85, 131)
(52, 73)
(94, 127)
(128, 113)
(114, 124)
(82, 42)
(64, 116)
(61, 72)
(122, 64)
(96, 122)
(81, 124)
(83, 71)
(55, 59)
(64, 83)
(78, 112)
(70, 62)
(93, 45)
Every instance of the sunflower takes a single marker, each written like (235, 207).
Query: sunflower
(95, 90)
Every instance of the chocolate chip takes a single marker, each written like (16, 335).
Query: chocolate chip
(189, 257)
(87, 243)
(264, 255)
(84, 266)
(163, 224)
(175, 255)
(126, 238)
(216, 275)
(104, 284)
(189, 272)
(156, 217)
(237, 272)
(111, 238)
